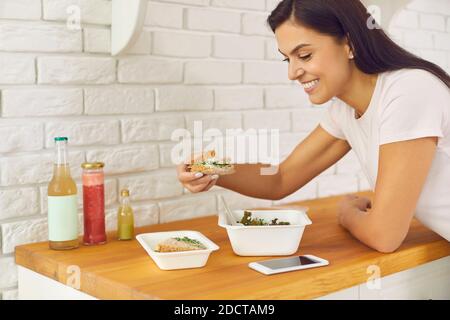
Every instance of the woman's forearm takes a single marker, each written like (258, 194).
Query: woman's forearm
(250, 181)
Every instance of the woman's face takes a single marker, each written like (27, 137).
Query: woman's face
(317, 61)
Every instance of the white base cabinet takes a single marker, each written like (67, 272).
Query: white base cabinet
(428, 281)
(425, 282)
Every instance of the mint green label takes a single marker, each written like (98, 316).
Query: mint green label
(62, 218)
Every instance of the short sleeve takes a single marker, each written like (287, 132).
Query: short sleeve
(330, 122)
(419, 113)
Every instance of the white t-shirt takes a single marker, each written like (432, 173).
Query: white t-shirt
(407, 104)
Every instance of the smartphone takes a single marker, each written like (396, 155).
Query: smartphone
(274, 266)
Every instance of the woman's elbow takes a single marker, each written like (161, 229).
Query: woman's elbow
(386, 248)
(274, 197)
(385, 238)
(385, 244)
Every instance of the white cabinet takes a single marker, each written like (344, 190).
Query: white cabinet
(34, 286)
(428, 281)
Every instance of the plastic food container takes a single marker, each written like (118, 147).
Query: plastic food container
(177, 260)
(267, 240)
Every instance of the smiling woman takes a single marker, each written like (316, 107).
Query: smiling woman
(334, 48)
(390, 107)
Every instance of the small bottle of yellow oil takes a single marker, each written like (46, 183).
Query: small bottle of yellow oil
(125, 217)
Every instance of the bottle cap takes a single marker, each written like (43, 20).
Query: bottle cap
(61, 139)
(92, 165)
(125, 193)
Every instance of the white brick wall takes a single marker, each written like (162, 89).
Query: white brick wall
(24, 231)
(249, 47)
(17, 69)
(157, 185)
(284, 96)
(149, 70)
(187, 207)
(150, 128)
(268, 120)
(165, 154)
(91, 11)
(213, 20)
(84, 133)
(76, 70)
(423, 28)
(118, 100)
(166, 16)
(218, 120)
(255, 24)
(10, 207)
(9, 294)
(126, 159)
(35, 102)
(97, 40)
(265, 73)
(20, 9)
(177, 44)
(331, 185)
(432, 22)
(15, 36)
(8, 276)
(184, 98)
(237, 98)
(307, 120)
(241, 4)
(34, 168)
(212, 72)
(143, 215)
(21, 137)
(209, 60)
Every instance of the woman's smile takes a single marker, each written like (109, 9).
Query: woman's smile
(310, 86)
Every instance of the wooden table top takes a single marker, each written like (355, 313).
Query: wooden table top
(123, 270)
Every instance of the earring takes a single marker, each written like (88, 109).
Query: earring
(351, 55)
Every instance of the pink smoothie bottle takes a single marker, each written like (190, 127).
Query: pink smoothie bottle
(94, 203)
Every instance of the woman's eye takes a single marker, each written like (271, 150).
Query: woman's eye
(306, 57)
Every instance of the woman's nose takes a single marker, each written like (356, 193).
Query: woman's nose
(294, 71)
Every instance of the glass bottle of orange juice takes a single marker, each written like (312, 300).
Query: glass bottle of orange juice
(62, 202)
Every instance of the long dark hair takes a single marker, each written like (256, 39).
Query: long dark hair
(374, 51)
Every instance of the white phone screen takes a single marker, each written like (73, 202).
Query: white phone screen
(287, 262)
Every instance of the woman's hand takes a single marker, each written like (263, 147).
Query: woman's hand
(195, 181)
(349, 204)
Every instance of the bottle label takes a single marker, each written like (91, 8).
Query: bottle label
(62, 218)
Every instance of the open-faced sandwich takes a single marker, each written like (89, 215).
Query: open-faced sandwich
(208, 163)
(179, 244)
